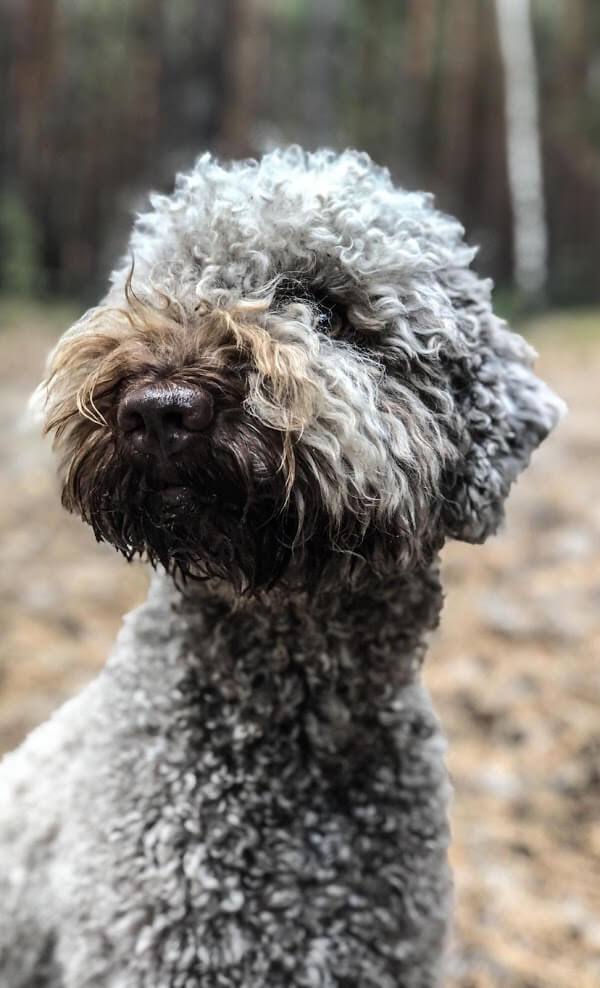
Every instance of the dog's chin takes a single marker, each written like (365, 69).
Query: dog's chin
(174, 499)
(196, 533)
(232, 517)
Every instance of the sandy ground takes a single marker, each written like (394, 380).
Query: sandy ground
(515, 670)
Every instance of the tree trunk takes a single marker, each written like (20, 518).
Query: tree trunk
(523, 146)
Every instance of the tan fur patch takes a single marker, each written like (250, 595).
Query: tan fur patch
(111, 346)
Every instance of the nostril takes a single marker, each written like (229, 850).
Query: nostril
(195, 411)
(130, 421)
(185, 419)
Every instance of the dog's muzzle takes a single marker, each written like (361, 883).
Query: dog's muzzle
(169, 444)
(190, 479)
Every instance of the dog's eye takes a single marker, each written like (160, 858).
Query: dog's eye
(330, 317)
(335, 324)
(329, 322)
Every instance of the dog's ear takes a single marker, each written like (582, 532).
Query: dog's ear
(503, 413)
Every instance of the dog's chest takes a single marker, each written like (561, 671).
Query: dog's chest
(248, 878)
(262, 817)
(246, 855)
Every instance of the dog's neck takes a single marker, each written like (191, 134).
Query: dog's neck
(322, 672)
(381, 621)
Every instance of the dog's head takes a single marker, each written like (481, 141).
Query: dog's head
(304, 377)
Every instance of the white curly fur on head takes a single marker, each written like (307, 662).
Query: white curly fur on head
(369, 346)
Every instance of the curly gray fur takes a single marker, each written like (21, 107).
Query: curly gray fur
(252, 793)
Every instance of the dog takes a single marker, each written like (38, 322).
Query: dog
(287, 403)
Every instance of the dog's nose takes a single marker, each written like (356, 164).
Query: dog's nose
(164, 417)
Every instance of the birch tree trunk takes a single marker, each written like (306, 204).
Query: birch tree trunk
(530, 238)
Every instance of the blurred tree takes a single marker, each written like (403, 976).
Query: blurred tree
(33, 58)
(571, 94)
(421, 69)
(242, 58)
(523, 146)
(20, 267)
(318, 95)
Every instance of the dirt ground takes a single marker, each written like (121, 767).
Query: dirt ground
(515, 669)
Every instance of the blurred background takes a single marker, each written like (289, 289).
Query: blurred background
(494, 105)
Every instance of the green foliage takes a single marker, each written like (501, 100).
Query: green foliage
(18, 313)
(580, 327)
(20, 268)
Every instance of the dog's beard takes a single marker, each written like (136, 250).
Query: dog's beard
(227, 513)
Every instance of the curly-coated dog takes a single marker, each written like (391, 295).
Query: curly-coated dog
(291, 402)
